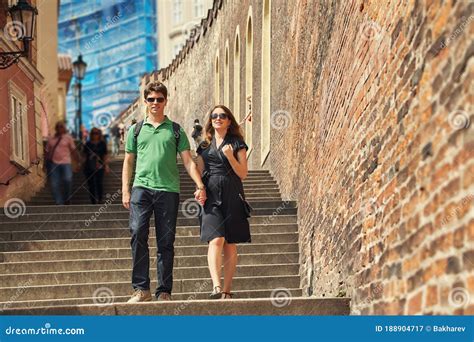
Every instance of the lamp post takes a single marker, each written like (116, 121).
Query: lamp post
(79, 69)
(22, 28)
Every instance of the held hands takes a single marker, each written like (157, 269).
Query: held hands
(228, 151)
(200, 196)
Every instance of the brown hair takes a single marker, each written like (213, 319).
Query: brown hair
(234, 128)
(93, 130)
(156, 87)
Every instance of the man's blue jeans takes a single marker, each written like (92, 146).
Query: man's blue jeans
(143, 203)
(61, 175)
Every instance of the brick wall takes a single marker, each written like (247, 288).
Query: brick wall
(371, 133)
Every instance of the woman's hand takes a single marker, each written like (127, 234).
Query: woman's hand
(228, 151)
(200, 196)
(107, 169)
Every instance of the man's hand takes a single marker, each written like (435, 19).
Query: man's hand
(228, 151)
(200, 196)
(126, 199)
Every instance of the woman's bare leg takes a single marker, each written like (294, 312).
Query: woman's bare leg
(214, 260)
(230, 265)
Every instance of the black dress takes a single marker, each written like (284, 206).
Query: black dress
(223, 214)
(94, 169)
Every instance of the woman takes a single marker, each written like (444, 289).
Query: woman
(222, 157)
(60, 150)
(96, 163)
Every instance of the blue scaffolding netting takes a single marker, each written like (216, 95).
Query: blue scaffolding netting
(118, 41)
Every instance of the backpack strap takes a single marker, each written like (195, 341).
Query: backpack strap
(136, 131)
(177, 134)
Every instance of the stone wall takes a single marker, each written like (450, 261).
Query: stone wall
(371, 133)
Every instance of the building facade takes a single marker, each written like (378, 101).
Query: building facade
(174, 29)
(363, 114)
(21, 144)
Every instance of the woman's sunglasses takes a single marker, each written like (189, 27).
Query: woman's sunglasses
(155, 99)
(221, 116)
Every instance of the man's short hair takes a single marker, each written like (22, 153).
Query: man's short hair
(156, 87)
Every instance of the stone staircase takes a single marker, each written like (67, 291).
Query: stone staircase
(76, 259)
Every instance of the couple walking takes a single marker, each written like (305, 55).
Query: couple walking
(221, 165)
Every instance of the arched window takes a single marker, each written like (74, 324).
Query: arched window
(236, 108)
(266, 81)
(248, 81)
(216, 80)
(226, 75)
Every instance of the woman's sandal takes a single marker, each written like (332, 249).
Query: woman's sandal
(227, 295)
(216, 293)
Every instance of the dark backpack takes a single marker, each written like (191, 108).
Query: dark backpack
(136, 132)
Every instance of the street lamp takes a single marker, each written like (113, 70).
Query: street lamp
(79, 69)
(22, 28)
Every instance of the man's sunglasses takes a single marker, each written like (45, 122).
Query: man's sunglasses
(221, 116)
(155, 99)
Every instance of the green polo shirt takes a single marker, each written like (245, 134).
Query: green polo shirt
(155, 151)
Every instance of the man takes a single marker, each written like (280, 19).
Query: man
(155, 190)
(115, 133)
(60, 150)
(197, 133)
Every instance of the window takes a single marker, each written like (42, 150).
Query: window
(177, 11)
(226, 75)
(19, 125)
(198, 8)
(266, 81)
(237, 76)
(248, 82)
(217, 89)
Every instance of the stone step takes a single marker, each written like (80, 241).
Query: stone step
(122, 275)
(79, 290)
(54, 245)
(92, 208)
(123, 223)
(60, 234)
(46, 201)
(183, 211)
(188, 296)
(296, 306)
(183, 194)
(123, 263)
(109, 253)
